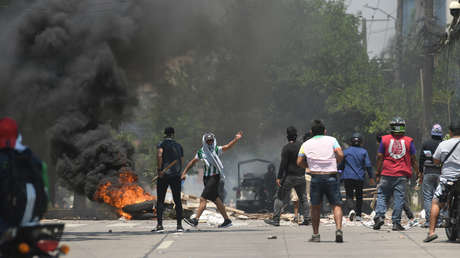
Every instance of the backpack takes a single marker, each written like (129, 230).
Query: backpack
(23, 195)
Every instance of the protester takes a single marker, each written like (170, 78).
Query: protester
(429, 170)
(321, 154)
(295, 203)
(307, 136)
(169, 152)
(24, 180)
(447, 154)
(355, 164)
(395, 160)
(406, 207)
(269, 187)
(210, 154)
(290, 176)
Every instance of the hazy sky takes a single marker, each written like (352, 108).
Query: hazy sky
(378, 32)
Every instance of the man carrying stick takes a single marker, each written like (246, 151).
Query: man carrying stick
(169, 162)
(213, 171)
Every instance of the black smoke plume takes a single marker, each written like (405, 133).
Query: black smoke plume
(61, 79)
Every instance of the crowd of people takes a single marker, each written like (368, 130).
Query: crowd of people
(315, 167)
(309, 170)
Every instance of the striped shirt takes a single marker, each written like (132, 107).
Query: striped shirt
(211, 170)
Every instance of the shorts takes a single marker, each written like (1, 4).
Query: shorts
(211, 187)
(442, 191)
(327, 185)
(294, 197)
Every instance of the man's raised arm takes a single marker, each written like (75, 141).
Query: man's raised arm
(238, 136)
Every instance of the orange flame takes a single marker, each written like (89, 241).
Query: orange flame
(126, 193)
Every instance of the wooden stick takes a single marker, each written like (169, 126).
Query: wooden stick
(165, 169)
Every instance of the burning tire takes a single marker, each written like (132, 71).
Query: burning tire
(143, 216)
(140, 208)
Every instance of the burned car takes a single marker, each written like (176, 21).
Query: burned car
(256, 186)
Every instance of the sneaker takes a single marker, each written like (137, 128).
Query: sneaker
(413, 223)
(296, 220)
(305, 222)
(179, 228)
(352, 215)
(272, 222)
(339, 236)
(227, 223)
(425, 225)
(397, 227)
(192, 222)
(315, 238)
(158, 229)
(358, 218)
(379, 221)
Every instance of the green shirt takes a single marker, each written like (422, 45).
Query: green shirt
(209, 170)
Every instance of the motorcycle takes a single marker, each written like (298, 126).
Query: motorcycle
(40, 240)
(453, 212)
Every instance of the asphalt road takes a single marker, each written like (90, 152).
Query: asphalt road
(246, 239)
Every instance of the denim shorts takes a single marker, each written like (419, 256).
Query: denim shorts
(325, 185)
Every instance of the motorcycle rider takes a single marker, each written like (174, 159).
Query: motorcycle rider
(10, 141)
(447, 154)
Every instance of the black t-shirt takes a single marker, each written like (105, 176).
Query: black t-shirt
(426, 156)
(171, 151)
(288, 164)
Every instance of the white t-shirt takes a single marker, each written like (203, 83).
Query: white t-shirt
(450, 170)
(320, 153)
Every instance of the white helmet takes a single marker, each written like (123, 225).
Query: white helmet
(454, 5)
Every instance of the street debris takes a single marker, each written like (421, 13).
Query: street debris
(272, 237)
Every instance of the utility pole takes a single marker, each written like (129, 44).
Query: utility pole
(428, 67)
(399, 42)
(364, 33)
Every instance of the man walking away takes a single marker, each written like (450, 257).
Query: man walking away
(356, 162)
(169, 152)
(429, 170)
(290, 176)
(322, 154)
(395, 160)
(210, 154)
(447, 154)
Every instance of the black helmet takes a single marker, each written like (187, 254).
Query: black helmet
(398, 125)
(356, 139)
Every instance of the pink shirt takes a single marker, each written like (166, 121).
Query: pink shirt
(320, 153)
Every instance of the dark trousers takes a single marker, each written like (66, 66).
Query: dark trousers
(354, 188)
(284, 196)
(162, 187)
